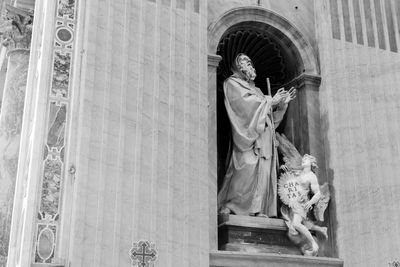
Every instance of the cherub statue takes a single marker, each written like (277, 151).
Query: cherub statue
(295, 186)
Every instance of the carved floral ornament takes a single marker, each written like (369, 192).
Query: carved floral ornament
(16, 27)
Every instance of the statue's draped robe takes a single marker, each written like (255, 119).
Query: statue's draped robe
(250, 183)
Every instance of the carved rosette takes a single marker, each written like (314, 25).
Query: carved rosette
(53, 171)
(16, 28)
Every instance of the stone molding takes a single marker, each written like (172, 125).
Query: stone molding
(233, 259)
(26, 4)
(213, 60)
(16, 28)
(309, 79)
(312, 81)
(18, 51)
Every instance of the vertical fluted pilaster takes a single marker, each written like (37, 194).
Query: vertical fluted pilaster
(16, 35)
(10, 136)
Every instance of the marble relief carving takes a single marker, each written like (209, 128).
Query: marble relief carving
(15, 103)
(62, 64)
(56, 130)
(49, 212)
(16, 28)
(64, 34)
(53, 160)
(45, 243)
(51, 188)
(66, 8)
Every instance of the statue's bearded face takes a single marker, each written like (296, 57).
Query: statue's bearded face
(246, 67)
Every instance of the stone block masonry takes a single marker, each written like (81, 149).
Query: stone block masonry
(142, 170)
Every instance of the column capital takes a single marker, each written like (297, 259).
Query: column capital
(16, 28)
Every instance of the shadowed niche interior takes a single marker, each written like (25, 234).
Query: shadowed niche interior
(270, 60)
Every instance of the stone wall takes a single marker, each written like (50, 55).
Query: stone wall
(360, 112)
(139, 135)
(142, 140)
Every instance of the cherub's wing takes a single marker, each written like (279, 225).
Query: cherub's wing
(325, 190)
(291, 156)
(322, 204)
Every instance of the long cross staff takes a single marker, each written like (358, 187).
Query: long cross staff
(269, 88)
(272, 121)
(270, 94)
(271, 111)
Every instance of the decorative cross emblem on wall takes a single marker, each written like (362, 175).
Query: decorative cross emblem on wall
(143, 253)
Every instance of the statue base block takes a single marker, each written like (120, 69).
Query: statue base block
(240, 259)
(254, 235)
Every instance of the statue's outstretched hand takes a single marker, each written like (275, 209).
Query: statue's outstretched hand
(290, 95)
(279, 97)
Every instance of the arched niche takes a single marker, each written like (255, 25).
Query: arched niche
(302, 123)
(287, 34)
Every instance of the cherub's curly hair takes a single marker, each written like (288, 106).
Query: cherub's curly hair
(313, 161)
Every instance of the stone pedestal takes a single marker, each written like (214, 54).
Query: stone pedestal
(240, 259)
(254, 234)
(10, 136)
(254, 241)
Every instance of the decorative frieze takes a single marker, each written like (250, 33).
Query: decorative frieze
(54, 166)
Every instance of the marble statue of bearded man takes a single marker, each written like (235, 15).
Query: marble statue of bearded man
(250, 183)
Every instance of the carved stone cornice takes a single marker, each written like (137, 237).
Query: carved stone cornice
(213, 60)
(310, 79)
(305, 79)
(16, 28)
